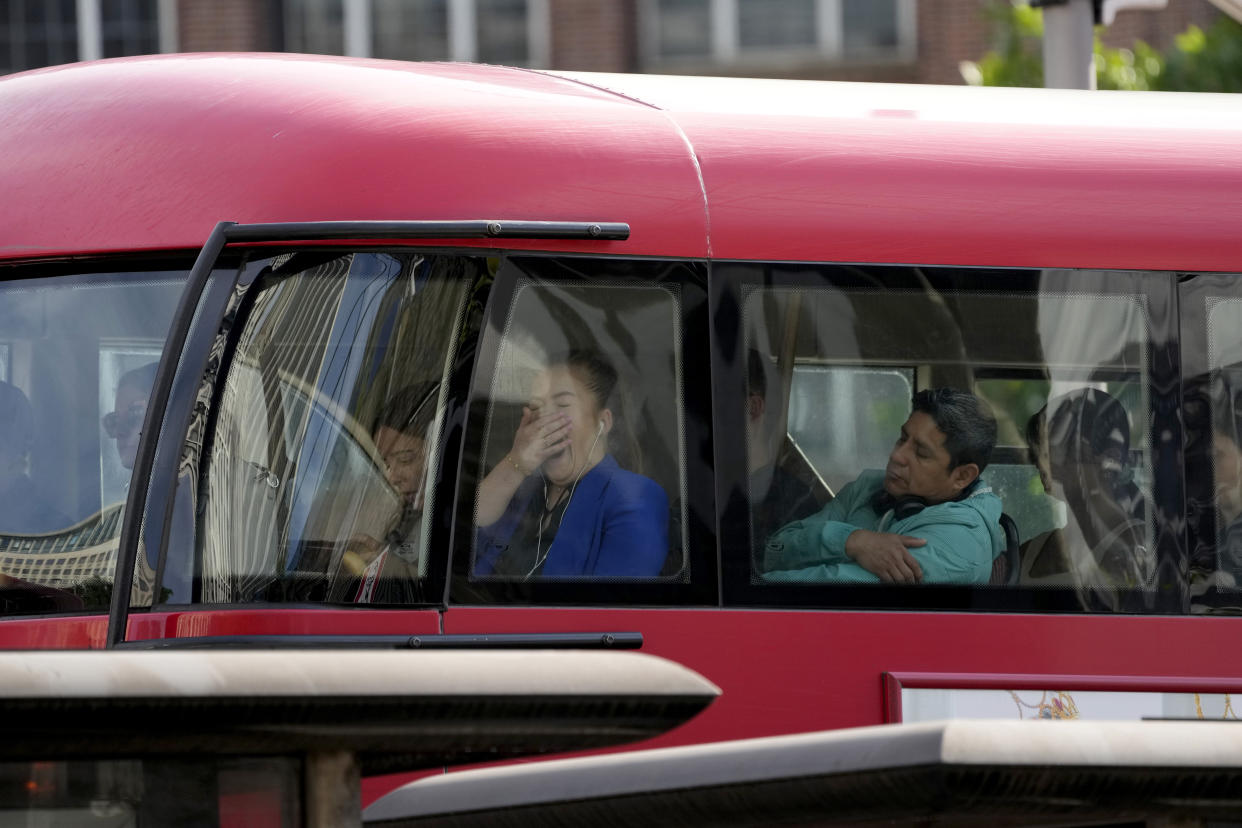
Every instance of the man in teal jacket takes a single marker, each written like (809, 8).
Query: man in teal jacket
(927, 518)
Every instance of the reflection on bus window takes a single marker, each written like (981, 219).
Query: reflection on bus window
(70, 347)
(783, 484)
(1080, 445)
(581, 472)
(127, 375)
(1224, 329)
(1071, 369)
(317, 482)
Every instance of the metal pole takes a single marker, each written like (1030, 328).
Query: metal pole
(333, 790)
(1069, 34)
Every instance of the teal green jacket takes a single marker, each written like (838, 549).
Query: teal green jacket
(963, 536)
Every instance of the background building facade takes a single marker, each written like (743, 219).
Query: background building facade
(918, 41)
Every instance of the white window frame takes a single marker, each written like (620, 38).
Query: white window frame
(90, 28)
(726, 37)
(463, 39)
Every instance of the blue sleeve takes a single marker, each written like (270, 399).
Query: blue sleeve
(634, 539)
(491, 541)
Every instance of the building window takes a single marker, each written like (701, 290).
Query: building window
(36, 34)
(486, 31)
(776, 31)
(129, 27)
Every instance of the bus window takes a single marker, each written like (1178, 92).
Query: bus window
(580, 472)
(1214, 425)
(322, 467)
(77, 360)
(823, 405)
(1061, 361)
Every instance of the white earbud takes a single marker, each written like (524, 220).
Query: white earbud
(600, 430)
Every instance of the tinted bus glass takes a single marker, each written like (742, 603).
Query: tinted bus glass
(317, 484)
(1066, 361)
(584, 474)
(597, 368)
(1212, 354)
(79, 357)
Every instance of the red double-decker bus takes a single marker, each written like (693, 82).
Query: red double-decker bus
(284, 340)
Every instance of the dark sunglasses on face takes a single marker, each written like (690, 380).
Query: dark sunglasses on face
(120, 424)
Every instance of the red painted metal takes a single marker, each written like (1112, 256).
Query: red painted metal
(891, 689)
(792, 671)
(173, 145)
(773, 170)
(282, 621)
(64, 632)
(90, 631)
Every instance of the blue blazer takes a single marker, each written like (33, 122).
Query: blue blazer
(616, 525)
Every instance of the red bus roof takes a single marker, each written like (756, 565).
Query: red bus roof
(149, 153)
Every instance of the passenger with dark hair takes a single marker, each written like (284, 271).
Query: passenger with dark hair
(558, 504)
(1080, 444)
(777, 497)
(386, 571)
(124, 422)
(927, 517)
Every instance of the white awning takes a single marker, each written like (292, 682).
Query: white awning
(1013, 772)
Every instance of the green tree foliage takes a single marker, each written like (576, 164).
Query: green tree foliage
(1206, 61)
(1199, 61)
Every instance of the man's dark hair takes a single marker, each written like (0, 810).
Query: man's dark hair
(967, 422)
(141, 378)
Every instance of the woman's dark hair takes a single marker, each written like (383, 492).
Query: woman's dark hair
(595, 372)
(410, 410)
(967, 422)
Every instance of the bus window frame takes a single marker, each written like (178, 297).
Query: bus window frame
(701, 589)
(730, 280)
(222, 342)
(1200, 382)
(197, 324)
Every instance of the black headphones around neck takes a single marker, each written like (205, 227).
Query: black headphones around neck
(907, 506)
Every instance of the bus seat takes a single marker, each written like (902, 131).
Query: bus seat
(793, 460)
(1008, 564)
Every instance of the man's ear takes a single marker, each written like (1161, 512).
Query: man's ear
(963, 476)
